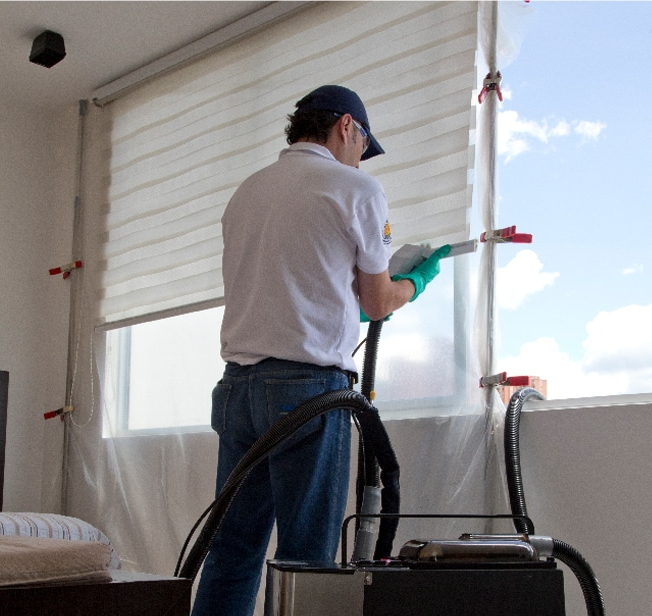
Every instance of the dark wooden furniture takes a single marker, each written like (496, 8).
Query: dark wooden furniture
(4, 399)
(130, 594)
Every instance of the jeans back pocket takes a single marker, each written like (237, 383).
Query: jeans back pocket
(221, 394)
(286, 395)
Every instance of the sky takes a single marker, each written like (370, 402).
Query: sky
(574, 145)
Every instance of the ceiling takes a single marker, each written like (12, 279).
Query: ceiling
(103, 41)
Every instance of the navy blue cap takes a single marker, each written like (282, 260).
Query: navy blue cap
(339, 99)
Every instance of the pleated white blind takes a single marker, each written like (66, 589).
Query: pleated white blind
(181, 144)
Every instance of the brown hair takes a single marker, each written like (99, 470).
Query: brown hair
(314, 125)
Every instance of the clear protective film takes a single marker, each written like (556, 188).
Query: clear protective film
(145, 488)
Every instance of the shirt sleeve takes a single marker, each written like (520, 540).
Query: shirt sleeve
(372, 234)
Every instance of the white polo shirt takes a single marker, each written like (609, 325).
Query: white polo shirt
(293, 234)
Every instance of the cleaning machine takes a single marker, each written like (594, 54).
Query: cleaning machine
(493, 575)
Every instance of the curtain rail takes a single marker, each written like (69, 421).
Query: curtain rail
(275, 11)
(163, 314)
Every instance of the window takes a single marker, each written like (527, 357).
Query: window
(424, 356)
(183, 142)
(164, 372)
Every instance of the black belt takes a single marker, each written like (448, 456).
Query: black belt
(352, 376)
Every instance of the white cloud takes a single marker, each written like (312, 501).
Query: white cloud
(507, 93)
(620, 340)
(544, 358)
(522, 277)
(561, 129)
(589, 130)
(517, 135)
(617, 357)
(632, 269)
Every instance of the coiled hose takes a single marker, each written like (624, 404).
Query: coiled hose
(560, 550)
(348, 399)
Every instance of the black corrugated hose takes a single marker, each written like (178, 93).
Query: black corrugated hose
(339, 399)
(561, 551)
(512, 455)
(377, 452)
(584, 574)
(368, 472)
(376, 437)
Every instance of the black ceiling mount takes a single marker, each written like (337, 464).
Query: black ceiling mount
(47, 49)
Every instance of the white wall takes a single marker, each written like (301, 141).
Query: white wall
(587, 474)
(37, 179)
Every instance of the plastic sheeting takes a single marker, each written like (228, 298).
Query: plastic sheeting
(145, 492)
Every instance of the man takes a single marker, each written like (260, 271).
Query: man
(306, 250)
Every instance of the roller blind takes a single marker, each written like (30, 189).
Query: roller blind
(181, 144)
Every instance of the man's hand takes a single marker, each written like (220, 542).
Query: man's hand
(424, 273)
(380, 296)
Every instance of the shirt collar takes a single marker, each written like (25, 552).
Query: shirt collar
(309, 148)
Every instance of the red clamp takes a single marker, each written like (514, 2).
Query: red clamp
(491, 84)
(65, 269)
(61, 411)
(502, 379)
(508, 234)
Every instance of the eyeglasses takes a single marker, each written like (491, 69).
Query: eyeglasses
(365, 136)
(363, 132)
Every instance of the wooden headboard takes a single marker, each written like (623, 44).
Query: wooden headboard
(4, 398)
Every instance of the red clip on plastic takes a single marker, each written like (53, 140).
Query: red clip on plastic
(65, 269)
(502, 379)
(508, 234)
(491, 84)
(61, 411)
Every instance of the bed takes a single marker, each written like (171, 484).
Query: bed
(59, 565)
(64, 547)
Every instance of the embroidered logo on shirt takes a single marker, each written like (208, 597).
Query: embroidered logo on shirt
(387, 233)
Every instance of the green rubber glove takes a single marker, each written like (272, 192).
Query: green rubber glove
(424, 273)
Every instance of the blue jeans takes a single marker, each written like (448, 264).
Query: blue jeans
(302, 485)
